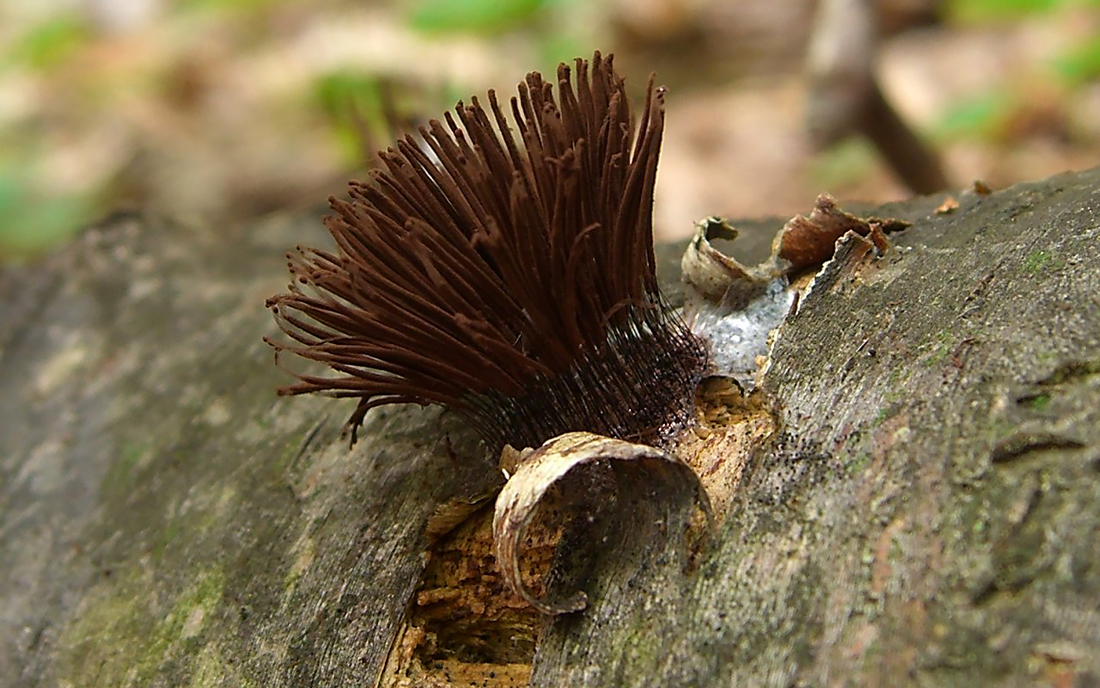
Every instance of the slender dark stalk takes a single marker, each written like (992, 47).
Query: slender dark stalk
(506, 274)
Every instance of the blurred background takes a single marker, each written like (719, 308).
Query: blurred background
(220, 111)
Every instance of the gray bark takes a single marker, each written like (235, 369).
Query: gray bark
(928, 513)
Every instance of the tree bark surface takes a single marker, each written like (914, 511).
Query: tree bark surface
(927, 513)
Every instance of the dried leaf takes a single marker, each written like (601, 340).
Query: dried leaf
(808, 240)
(949, 205)
(713, 274)
(529, 498)
(981, 188)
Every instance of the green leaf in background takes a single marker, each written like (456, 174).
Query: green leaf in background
(338, 90)
(476, 16)
(843, 164)
(228, 5)
(30, 224)
(350, 100)
(557, 48)
(978, 117)
(49, 43)
(1080, 64)
(978, 11)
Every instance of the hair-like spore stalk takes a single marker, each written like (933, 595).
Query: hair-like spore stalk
(505, 273)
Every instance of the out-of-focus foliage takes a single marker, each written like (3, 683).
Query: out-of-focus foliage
(977, 116)
(844, 163)
(967, 11)
(545, 23)
(43, 220)
(353, 100)
(480, 16)
(1080, 63)
(998, 112)
(1031, 81)
(230, 5)
(219, 110)
(213, 109)
(49, 43)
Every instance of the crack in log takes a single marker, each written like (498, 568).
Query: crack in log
(1071, 371)
(463, 626)
(1019, 445)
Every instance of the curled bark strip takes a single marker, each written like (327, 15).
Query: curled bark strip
(804, 241)
(712, 273)
(808, 240)
(524, 496)
(736, 308)
(848, 255)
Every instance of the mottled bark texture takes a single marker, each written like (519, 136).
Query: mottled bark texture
(928, 512)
